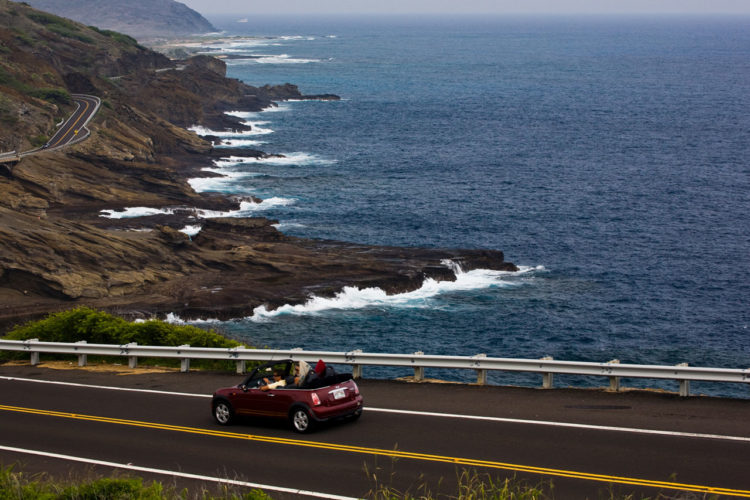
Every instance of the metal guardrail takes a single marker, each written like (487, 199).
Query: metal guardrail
(547, 367)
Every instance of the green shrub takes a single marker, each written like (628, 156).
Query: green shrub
(55, 96)
(98, 327)
(52, 20)
(22, 37)
(70, 33)
(117, 36)
(38, 140)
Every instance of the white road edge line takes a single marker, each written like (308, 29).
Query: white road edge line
(106, 387)
(432, 414)
(567, 424)
(185, 475)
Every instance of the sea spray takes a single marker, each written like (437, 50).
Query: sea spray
(359, 298)
(132, 212)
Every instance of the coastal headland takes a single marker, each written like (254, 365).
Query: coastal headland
(58, 252)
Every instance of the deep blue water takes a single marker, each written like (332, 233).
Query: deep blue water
(610, 157)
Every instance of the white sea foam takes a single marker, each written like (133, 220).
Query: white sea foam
(247, 208)
(255, 114)
(281, 226)
(358, 298)
(191, 230)
(176, 320)
(203, 131)
(297, 158)
(282, 59)
(134, 212)
(238, 143)
(256, 128)
(228, 179)
(296, 37)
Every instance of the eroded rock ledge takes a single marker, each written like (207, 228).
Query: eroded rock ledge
(56, 252)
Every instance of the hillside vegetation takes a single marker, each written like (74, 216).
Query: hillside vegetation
(138, 18)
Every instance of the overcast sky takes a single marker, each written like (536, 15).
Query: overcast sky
(249, 7)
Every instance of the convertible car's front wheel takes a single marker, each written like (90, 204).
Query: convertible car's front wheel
(301, 420)
(223, 413)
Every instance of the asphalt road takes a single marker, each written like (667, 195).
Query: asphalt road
(73, 130)
(74, 127)
(585, 442)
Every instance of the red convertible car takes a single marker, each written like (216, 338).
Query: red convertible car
(303, 395)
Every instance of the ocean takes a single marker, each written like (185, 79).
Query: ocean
(609, 157)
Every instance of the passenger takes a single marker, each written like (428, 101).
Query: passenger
(277, 382)
(300, 372)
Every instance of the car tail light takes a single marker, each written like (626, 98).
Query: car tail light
(315, 399)
(356, 389)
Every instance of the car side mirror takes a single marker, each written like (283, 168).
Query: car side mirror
(243, 387)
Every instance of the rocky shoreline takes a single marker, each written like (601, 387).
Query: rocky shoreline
(56, 252)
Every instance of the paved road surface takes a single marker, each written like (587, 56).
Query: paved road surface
(74, 128)
(583, 441)
(72, 131)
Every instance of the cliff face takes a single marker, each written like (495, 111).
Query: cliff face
(142, 19)
(55, 249)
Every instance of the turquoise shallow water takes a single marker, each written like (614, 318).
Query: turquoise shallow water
(609, 157)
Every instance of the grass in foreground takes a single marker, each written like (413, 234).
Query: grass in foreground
(473, 485)
(20, 486)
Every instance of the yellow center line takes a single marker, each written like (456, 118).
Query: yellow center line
(391, 453)
(83, 113)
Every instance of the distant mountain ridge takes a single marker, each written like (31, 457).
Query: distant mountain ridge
(141, 19)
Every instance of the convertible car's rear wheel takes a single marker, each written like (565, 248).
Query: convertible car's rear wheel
(223, 413)
(301, 420)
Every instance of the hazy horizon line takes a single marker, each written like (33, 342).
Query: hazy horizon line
(489, 13)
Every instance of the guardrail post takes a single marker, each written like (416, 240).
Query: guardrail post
(184, 362)
(481, 374)
(548, 379)
(132, 360)
(418, 370)
(34, 355)
(351, 357)
(684, 385)
(241, 363)
(82, 358)
(614, 382)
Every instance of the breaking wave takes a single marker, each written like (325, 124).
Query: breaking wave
(281, 59)
(359, 298)
(131, 212)
(191, 230)
(227, 183)
(287, 159)
(247, 208)
(238, 143)
(203, 131)
(282, 107)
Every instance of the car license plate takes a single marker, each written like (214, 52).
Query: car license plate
(339, 393)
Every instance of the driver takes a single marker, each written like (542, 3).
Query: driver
(277, 382)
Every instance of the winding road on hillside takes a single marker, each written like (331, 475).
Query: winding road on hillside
(585, 442)
(71, 131)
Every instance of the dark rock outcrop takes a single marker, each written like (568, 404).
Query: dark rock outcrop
(57, 252)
